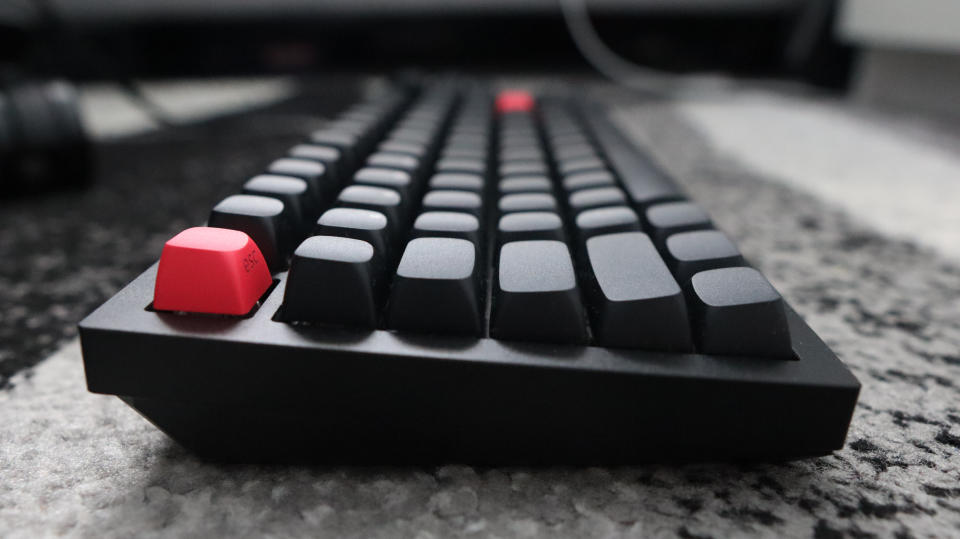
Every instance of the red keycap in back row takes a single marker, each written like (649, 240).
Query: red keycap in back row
(210, 270)
(514, 101)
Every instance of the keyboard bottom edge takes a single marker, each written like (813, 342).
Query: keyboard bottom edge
(231, 434)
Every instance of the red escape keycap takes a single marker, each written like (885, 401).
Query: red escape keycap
(514, 101)
(210, 270)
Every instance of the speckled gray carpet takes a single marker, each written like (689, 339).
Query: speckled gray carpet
(85, 465)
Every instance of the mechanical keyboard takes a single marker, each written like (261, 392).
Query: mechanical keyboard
(449, 274)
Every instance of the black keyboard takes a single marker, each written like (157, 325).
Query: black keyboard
(449, 274)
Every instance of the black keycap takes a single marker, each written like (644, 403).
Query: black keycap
(403, 147)
(523, 168)
(474, 120)
(527, 153)
(526, 184)
(537, 298)
(473, 116)
(341, 140)
(736, 311)
(457, 181)
(436, 288)
(569, 152)
(381, 199)
(367, 225)
(398, 180)
(451, 200)
(424, 115)
(562, 132)
(635, 301)
(606, 221)
(529, 225)
(557, 119)
(360, 128)
(569, 139)
(427, 118)
(521, 143)
(468, 140)
(315, 152)
(597, 197)
(688, 253)
(669, 218)
(428, 109)
(557, 129)
(328, 155)
(644, 182)
(432, 107)
(293, 192)
(524, 127)
(565, 134)
(447, 224)
(312, 172)
(470, 123)
(355, 125)
(461, 164)
(398, 161)
(370, 118)
(517, 119)
(419, 129)
(421, 118)
(465, 152)
(588, 180)
(370, 115)
(470, 127)
(527, 202)
(531, 148)
(580, 164)
(417, 134)
(333, 280)
(518, 138)
(265, 219)
(517, 123)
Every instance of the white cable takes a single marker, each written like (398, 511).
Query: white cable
(617, 68)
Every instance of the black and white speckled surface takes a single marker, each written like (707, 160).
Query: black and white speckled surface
(85, 465)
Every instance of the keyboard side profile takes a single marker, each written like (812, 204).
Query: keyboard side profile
(490, 377)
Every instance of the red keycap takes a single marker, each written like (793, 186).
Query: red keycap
(210, 270)
(514, 101)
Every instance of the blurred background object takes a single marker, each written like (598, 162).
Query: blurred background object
(43, 145)
(150, 38)
(124, 44)
(910, 53)
(885, 53)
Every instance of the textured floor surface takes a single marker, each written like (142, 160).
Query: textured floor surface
(86, 465)
(872, 166)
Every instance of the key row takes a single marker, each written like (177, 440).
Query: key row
(536, 295)
(640, 273)
(345, 274)
(634, 295)
(681, 231)
(437, 285)
(279, 208)
(250, 235)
